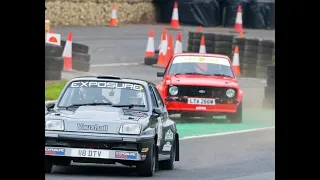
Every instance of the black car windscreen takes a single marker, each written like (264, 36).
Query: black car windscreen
(116, 93)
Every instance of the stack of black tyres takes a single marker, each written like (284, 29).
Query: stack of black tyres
(264, 57)
(190, 41)
(80, 56)
(215, 43)
(269, 90)
(237, 41)
(194, 39)
(53, 62)
(222, 44)
(250, 53)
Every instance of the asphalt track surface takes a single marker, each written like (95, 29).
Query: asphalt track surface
(243, 156)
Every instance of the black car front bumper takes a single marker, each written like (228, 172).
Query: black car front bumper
(97, 146)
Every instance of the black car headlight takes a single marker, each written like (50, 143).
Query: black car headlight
(130, 129)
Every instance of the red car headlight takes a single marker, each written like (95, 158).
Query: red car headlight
(230, 93)
(173, 90)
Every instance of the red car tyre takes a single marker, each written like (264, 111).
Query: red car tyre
(236, 117)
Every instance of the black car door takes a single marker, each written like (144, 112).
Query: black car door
(160, 103)
(167, 126)
(159, 125)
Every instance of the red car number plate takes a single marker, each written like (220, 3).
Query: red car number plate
(201, 101)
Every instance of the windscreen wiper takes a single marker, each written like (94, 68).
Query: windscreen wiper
(128, 105)
(178, 73)
(87, 104)
(224, 75)
(195, 73)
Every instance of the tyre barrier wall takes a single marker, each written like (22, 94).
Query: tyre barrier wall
(269, 90)
(54, 61)
(254, 54)
(256, 14)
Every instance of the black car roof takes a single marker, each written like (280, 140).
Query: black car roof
(112, 78)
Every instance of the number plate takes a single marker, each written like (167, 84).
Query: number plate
(90, 153)
(201, 101)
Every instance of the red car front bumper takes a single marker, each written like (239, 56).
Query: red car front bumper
(178, 105)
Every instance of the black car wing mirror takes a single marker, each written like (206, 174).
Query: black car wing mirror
(160, 74)
(156, 112)
(50, 105)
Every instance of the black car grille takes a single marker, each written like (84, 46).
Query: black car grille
(207, 91)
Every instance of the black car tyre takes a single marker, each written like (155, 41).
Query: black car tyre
(169, 164)
(47, 165)
(147, 167)
(236, 117)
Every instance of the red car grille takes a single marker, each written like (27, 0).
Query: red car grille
(203, 91)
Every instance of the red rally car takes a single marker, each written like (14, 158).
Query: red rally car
(201, 85)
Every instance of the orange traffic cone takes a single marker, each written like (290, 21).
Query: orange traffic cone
(162, 53)
(150, 45)
(113, 20)
(178, 46)
(170, 49)
(199, 28)
(67, 54)
(236, 62)
(238, 24)
(164, 33)
(202, 45)
(175, 17)
(241, 34)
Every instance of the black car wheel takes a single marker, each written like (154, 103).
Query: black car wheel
(168, 164)
(147, 167)
(236, 117)
(47, 165)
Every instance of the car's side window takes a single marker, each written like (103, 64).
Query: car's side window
(153, 98)
(158, 96)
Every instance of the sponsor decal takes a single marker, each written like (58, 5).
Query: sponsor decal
(126, 155)
(55, 151)
(167, 147)
(168, 135)
(144, 150)
(95, 127)
(199, 59)
(143, 157)
(103, 84)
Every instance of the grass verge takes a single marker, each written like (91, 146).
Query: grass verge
(53, 90)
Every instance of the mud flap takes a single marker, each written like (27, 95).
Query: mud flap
(177, 147)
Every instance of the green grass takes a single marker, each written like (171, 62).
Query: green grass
(53, 90)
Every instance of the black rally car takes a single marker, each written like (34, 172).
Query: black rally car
(109, 119)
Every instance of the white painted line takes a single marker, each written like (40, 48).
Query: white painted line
(115, 64)
(227, 133)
